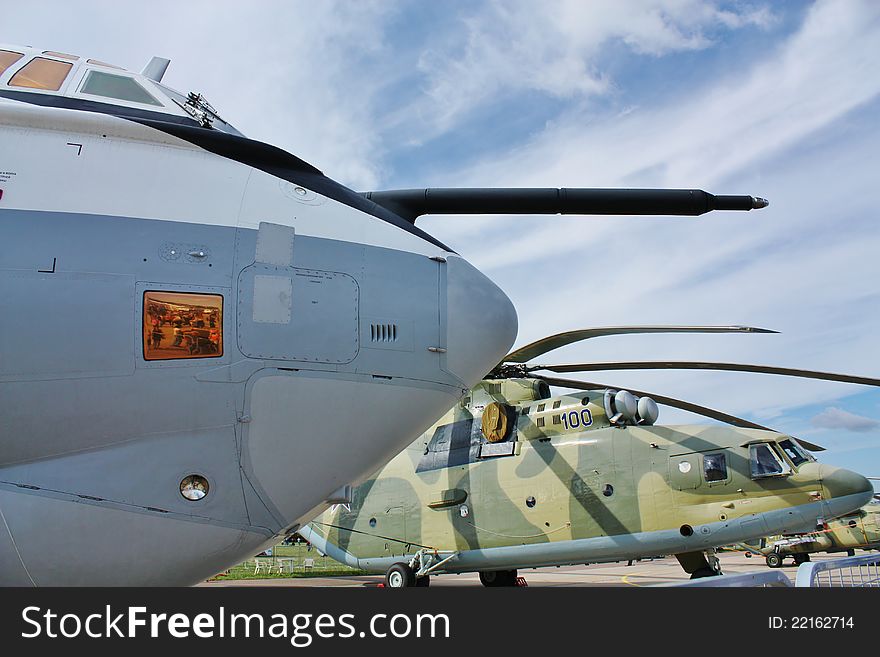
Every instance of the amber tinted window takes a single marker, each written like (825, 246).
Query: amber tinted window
(182, 325)
(41, 73)
(8, 58)
(122, 87)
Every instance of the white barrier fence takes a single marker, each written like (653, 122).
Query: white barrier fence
(848, 572)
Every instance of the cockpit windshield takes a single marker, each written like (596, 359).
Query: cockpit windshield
(120, 87)
(765, 463)
(93, 85)
(8, 58)
(794, 451)
(41, 73)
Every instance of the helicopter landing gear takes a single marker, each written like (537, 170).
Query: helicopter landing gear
(400, 576)
(498, 577)
(417, 571)
(774, 560)
(801, 558)
(699, 564)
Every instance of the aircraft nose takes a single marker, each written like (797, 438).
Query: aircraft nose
(481, 322)
(844, 489)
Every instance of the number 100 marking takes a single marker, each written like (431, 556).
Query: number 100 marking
(573, 419)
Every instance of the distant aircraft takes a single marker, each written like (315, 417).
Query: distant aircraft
(859, 530)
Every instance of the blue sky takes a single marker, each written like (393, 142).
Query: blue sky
(779, 100)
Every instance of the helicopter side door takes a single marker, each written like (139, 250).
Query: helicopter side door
(684, 471)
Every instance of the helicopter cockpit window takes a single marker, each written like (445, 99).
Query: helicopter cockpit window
(120, 87)
(182, 325)
(794, 451)
(8, 58)
(765, 463)
(42, 73)
(715, 467)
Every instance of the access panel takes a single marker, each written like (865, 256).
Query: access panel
(291, 313)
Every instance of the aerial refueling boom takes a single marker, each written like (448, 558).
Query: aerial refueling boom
(413, 203)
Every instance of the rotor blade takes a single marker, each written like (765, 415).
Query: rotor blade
(677, 403)
(551, 342)
(413, 203)
(813, 447)
(697, 365)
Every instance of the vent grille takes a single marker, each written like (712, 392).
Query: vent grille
(383, 332)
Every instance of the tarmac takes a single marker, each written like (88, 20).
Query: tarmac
(640, 573)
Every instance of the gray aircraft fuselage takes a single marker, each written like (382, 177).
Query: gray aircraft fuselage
(180, 304)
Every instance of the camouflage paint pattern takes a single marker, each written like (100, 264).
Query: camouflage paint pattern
(854, 531)
(563, 473)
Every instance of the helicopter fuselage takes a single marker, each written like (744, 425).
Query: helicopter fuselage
(566, 486)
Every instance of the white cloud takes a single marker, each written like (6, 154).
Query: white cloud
(557, 49)
(837, 418)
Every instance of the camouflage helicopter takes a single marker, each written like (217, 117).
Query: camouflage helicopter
(513, 477)
(858, 530)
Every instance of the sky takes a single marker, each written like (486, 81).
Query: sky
(773, 99)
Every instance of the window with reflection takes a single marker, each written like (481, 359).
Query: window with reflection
(764, 462)
(794, 451)
(120, 87)
(715, 467)
(8, 58)
(182, 325)
(42, 73)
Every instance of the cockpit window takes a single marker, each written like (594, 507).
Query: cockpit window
(715, 467)
(100, 63)
(182, 325)
(121, 87)
(41, 73)
(764, 463)
(8, 58)
(61, 55)
(794, 451)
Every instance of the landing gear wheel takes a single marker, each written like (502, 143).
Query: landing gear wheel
(400, 576)
(498, 577)
(801, 558)
(850, 553)
(774, 560)
(422, 582)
